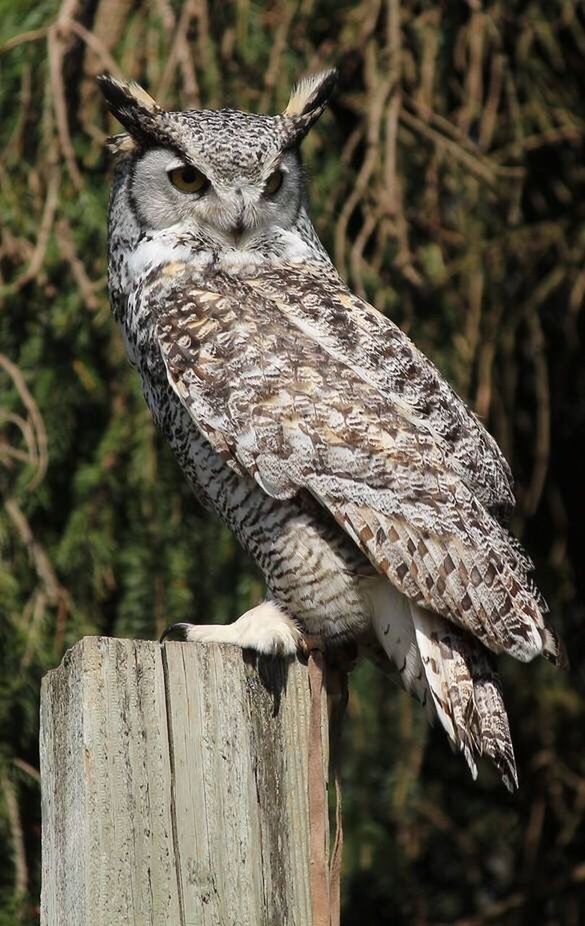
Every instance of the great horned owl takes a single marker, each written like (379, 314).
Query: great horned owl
(366, 491)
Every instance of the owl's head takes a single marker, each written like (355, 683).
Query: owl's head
(227, 172)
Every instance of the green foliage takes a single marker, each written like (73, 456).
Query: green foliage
(448, 182)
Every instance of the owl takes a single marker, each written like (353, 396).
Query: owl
(369, 495)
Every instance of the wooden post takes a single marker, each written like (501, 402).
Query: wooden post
(174, 787)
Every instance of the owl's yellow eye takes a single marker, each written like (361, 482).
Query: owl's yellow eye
(188, 179)
(274, 183)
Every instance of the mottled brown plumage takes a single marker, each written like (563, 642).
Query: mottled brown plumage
(281, 402)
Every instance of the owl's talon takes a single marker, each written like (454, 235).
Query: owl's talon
(310, 643)
(175, 628)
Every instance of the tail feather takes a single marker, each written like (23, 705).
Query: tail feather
(553, 648)
(450, 671)
(449, 681)
(496, 742)
(466, 692)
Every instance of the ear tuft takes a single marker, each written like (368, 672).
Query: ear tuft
(140, 115)
(311, 94)
(120, 144)
(125, 94)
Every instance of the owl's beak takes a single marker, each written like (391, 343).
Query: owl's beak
(239, 226)
(238, 229)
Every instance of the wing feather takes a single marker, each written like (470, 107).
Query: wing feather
(282, 407)
(383, 355)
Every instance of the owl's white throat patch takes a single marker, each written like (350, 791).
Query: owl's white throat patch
(154, 252)
(163, 249)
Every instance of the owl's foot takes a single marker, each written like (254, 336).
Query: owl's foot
(266, 629)
(311, 643)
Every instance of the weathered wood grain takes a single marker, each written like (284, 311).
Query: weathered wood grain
(174, 787)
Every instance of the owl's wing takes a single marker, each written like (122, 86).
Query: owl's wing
(381, 353)
(279, 405)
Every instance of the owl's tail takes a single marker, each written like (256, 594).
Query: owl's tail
(450, 672)
(466, 693)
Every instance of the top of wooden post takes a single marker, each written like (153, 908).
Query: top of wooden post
(174, 786)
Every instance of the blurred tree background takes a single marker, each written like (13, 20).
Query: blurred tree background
(448, 181)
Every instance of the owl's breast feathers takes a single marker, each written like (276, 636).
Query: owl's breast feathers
(302, 385)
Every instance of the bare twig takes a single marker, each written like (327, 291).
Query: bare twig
(286, 16)
(45, 228)
(104, 60)
(55, 591)
(33, 35)
(58, 44)
(541, 452)
(67, 248)
(180, 55)
(381, 90)
(17, 838)
(28, 769)
(36, 437)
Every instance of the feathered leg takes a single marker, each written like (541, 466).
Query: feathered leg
(266, 629)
